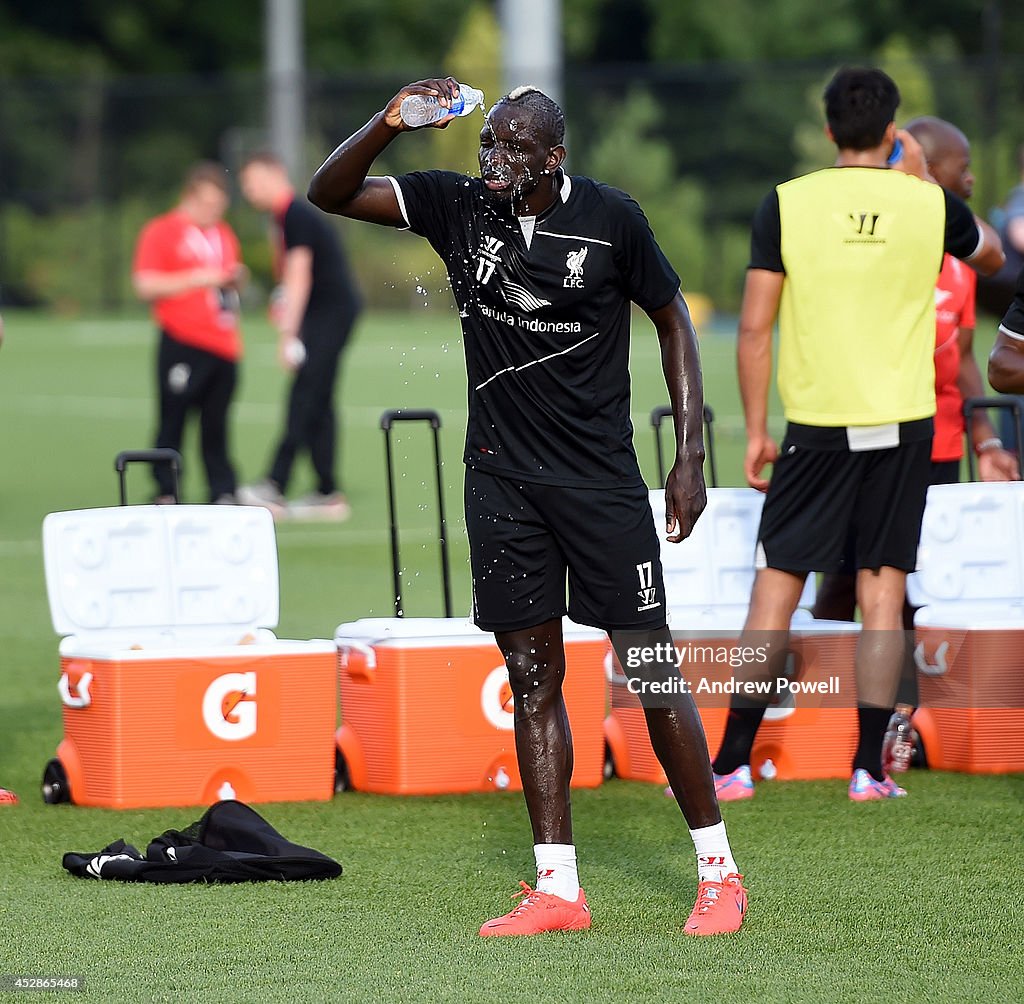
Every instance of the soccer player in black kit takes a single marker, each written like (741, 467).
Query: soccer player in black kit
(543, 267)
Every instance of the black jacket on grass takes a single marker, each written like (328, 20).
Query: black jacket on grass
(231, 843)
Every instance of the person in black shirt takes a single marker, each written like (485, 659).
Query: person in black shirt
(314, 309)
(543, 267)
(1006, 363)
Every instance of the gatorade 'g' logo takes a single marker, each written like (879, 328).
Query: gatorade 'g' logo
(229, 706)
(496, 699)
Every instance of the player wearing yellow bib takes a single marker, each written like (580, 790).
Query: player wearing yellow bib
(846, 259)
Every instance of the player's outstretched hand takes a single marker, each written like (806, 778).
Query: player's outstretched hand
(685, 498)
(443, 88)
(761, 451)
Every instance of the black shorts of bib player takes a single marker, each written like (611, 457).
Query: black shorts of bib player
(543, 267)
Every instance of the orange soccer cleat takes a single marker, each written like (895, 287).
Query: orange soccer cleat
(720, 907)
(539, 912)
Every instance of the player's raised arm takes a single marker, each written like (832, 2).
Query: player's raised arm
(341, 185)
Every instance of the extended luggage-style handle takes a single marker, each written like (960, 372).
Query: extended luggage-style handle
(156, 456)
(1007, 403)
(387, 422)
(388, 419)
(664, 411)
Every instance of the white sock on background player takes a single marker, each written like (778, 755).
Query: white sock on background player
(556, 870)
(714, 855)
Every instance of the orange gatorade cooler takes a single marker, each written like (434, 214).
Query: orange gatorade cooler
(969, 632)
(426, 707)
(708, 579)
(629, 743)
(971, 691)
(174, 690)
(811, 730)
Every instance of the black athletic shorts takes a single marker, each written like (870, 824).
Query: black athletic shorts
(524, 538)
(821, 493)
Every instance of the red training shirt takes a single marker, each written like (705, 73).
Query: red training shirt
(954, 309)
(173, 243)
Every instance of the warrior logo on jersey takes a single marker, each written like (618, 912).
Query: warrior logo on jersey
(574, 264)
(487, 258)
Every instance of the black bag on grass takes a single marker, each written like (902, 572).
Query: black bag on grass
(231, 843)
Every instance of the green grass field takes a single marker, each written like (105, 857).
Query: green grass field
(916, 900)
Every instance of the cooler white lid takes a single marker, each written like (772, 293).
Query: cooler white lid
(972, 545)
(160, 569)
(714, 566)
(979, 616)
(823, 626)
(709, 618)
(436, 631)
(207, 650)
(732, 619)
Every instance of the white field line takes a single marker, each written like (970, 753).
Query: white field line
(80, 406)
(358, 416)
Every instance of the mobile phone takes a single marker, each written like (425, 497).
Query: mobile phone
(897, 153)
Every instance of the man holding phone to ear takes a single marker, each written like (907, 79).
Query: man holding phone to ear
(847, 259)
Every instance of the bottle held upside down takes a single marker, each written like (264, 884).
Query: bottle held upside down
(425, 109)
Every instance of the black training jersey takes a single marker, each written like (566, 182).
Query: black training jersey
(1013, 321)
(545, 322)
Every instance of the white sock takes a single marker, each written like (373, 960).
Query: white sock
(714, 856)
(556, 870)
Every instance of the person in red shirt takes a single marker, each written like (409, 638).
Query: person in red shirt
(188, 266)
(948, 158)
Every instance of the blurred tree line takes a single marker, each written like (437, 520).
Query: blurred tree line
(695, 109)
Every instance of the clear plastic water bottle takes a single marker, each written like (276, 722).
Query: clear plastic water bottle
(899, 741)
(423, 109)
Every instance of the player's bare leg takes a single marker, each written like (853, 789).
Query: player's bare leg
(535, 658)
(879, 662)
(677, 737)
(676, 731)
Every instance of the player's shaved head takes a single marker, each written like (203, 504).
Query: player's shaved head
(947, 152)
(938, 138)
(535, 107)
